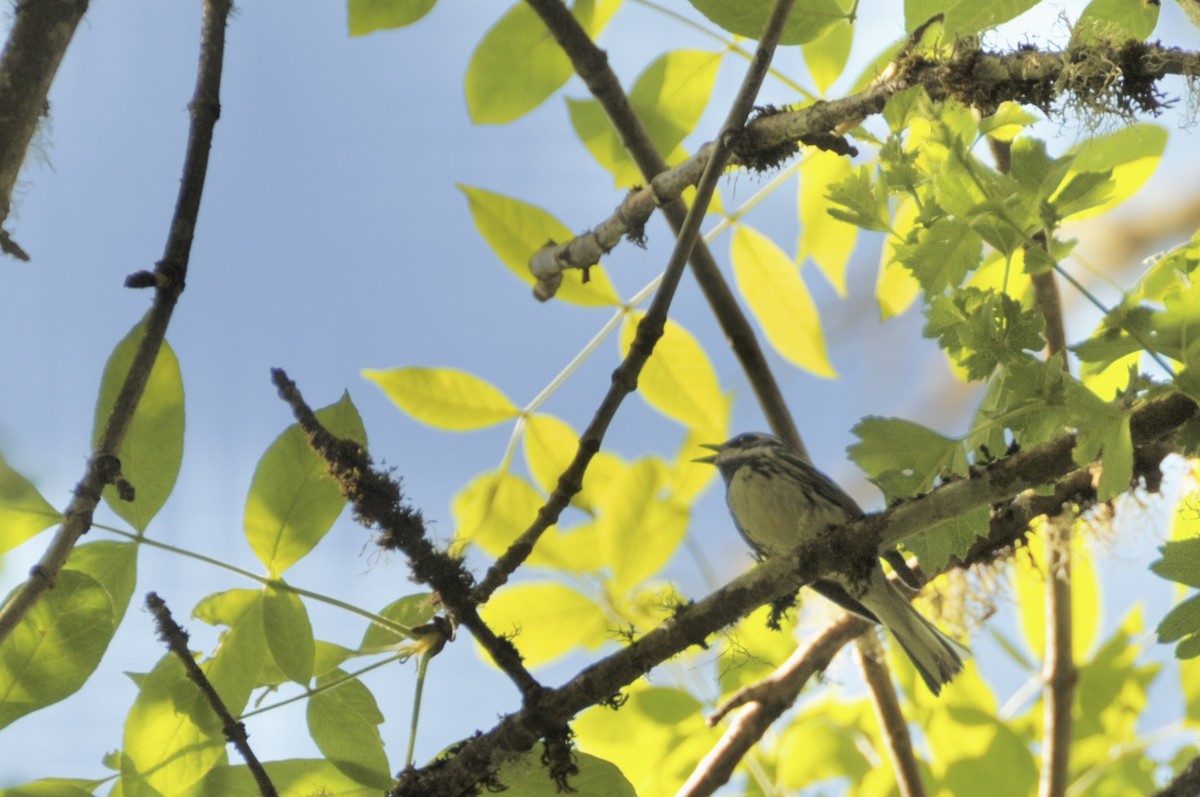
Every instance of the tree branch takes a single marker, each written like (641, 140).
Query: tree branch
(591, 64)
(892, 725)
(778, 576)
(1186, 783)
(176, 640)
(168, 278)
(981, 79)
(36, 44)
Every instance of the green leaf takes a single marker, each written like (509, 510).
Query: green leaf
(904, 458)
(639, 531)
(1182, 621)
(172, 737)
(293, 502)
(981, 330)
(826, 57)
(515, 230)
(679, 380)
(344, 722)
(977, 748)
(527, 776)
(23, 510)
(56, 647)
(1116, 21)
(54, 787)
(770, 283)
(829, 752)
(549, 620)
(410, 611)
(1180, 562)
(1007, 122)
(234, 667)
(669, 97)
(809, 19)
(967, 17)
(367, 16)
(858, 200)
(942, 254)
(828, 241)
(1103, 431)
(153, 446)
(296, 777)
(445, 398)
(954, 537)
(289, 634)
(114, 565)
(1132, 153)
(518, 64)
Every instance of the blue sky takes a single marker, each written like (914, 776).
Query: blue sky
(332, 239)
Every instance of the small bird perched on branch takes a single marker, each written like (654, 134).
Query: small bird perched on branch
(779, 501)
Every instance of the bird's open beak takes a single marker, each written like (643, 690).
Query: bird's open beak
(709, 459)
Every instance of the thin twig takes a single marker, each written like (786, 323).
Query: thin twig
(168, 278)
(591, 65)
(176, 640)
(892, 725)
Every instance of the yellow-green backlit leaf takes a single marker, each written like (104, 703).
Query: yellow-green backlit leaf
(678, 380)
(669, 97)
(896, 288)
(367, 16)
(656, 739)
(153, 446)
(518, 64)
(289, 634)
(295, 777)
(54, 649)
(771, 284)
(494, 509)
(808, 20)
(445, 397)
(1132, 153)
(828, 241)
(638, 530)
(410, 611)
(549, 620)
(344, 722)
(515, 230)
(23, 510)
(826, 57)
(293, 502)
(550, 445)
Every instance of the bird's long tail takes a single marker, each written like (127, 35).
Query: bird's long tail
(937, 657)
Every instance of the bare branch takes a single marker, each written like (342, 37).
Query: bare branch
(168, 279)
(1186, 783)
(36, 45)
(892, 725)
(176, 640)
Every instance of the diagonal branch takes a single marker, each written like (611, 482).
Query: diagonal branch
(783, 575)
(168, 279)
(591, 64)
(176, 640)
(36, 46)
(893, 727)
